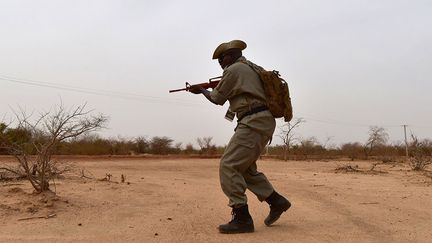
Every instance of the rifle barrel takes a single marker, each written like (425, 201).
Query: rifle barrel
(211, 84)
(177, 90)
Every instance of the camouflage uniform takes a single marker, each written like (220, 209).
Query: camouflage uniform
(241, 86)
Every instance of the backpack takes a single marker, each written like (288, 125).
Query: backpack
(276, 91)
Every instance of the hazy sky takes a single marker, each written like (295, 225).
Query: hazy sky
(350, 64)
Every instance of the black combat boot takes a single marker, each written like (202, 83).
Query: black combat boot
(278, 205)
(241, 222)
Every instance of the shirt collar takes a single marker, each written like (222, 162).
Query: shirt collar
(240, 59)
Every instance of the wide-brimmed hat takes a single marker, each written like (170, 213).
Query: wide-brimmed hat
(234, 44)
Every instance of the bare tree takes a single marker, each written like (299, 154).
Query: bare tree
(377, 136)
(205, 144)
(327, 144)
(287, 134)
(35, 140)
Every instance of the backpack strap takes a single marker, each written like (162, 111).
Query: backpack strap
(255, 67)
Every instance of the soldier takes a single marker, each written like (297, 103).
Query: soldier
(242, 87)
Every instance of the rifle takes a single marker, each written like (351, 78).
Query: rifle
(212, 83)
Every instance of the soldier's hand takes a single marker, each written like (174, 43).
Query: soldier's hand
(196, 89)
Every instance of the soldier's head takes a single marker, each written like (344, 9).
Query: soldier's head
(227, 53)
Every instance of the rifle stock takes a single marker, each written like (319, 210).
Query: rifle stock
(212, 83)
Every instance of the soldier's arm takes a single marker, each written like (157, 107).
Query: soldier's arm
(205, 92)
(221, 92)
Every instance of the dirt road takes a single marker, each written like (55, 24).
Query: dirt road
(180, 200)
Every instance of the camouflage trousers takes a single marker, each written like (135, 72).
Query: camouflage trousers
(238, 168)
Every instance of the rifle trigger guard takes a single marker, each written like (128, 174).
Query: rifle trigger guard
(188, 85)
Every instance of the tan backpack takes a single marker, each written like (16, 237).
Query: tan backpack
(276, 92)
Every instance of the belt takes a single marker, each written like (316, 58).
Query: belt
(253, 111)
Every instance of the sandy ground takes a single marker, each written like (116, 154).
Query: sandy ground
(180, 200)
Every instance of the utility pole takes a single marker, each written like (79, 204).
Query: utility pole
(406, 141)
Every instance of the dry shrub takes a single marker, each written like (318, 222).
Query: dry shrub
(356, 169)
(347, 168)
(33, 141)
(421, 155)
(420, 162)
(387, 159)
(11, 173)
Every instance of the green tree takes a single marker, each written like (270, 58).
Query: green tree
(160, 145)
